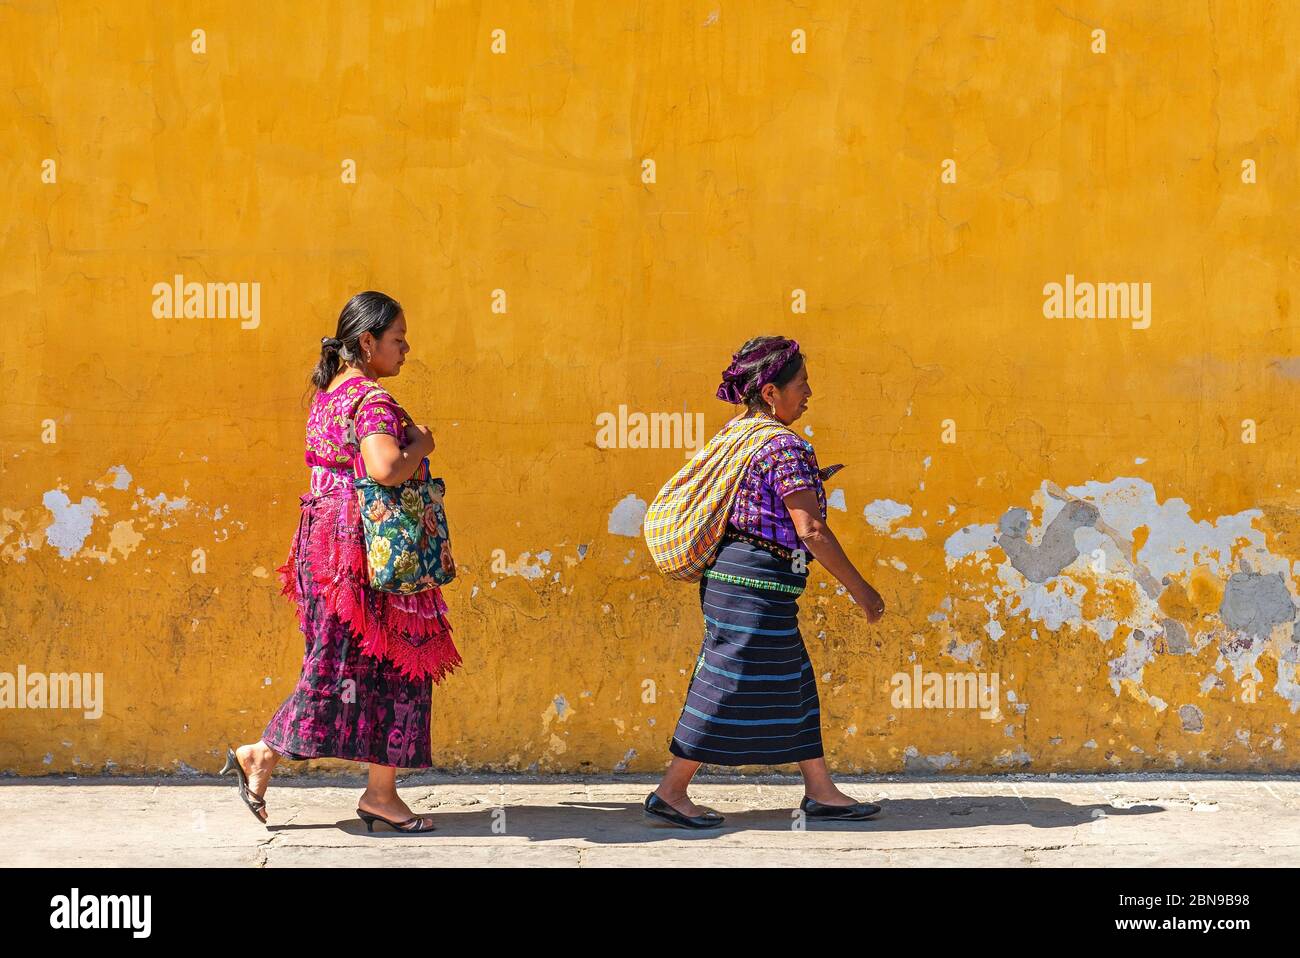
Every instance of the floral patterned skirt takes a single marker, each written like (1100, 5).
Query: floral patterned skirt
(347, 704)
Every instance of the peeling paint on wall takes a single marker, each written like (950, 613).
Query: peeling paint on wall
(883, 513)
(71, 522)
(1061, 565)
(627, 516)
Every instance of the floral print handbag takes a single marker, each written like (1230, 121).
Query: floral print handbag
(408, 546)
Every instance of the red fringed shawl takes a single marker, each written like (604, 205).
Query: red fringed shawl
(411, 631)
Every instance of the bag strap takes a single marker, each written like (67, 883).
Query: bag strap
(740, 430)
(755, 433)
(358, 462)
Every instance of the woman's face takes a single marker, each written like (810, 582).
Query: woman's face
(791, 400)
(388, 352)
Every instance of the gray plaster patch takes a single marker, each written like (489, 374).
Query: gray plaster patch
(1193, 720)
(1254, 603)
(1176, 637)
(1017, 757)
(1056, 551)
(914, 761)
(1014, 523)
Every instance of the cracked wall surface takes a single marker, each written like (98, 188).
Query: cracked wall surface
(1102, 514)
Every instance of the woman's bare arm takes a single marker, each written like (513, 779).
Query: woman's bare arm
(391, 465)
(826, 549)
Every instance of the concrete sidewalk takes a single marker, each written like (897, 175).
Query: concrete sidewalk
(517, 820)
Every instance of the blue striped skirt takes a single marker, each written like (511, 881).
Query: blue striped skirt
(753, 696)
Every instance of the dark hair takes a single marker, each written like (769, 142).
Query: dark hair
(368, 312)
(752, 370)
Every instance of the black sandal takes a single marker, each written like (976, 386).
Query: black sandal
(412, 826)
(255, 804)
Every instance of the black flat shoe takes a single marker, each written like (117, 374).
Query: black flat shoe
(656, 807)
(844, 813)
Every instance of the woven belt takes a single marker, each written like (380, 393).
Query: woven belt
(735, 535)
(752, 582)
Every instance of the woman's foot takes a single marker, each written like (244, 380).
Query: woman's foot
(829, 795)
(656, 807)
(858, 811)
(257, 761)
(680, 801)
(389, 806)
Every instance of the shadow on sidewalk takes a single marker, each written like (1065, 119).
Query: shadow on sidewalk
(616, 822)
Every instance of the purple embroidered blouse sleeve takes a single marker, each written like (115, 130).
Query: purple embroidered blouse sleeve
(784, 465)
(794, 467)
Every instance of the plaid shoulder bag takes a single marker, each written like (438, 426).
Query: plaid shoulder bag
(684, 524)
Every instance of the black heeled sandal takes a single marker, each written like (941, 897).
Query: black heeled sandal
(414, 825)
(255, 804)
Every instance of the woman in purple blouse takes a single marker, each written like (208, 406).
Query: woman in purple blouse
(753, 695)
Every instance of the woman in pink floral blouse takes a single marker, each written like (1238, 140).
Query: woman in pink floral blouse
(365, 692)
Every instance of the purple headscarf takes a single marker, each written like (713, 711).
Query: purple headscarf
(733, 377)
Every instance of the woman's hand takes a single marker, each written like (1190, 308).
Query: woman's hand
(390, 464)
(419, 440)
(813, 531)
(873, 606)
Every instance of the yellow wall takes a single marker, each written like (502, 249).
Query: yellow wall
(774, 172)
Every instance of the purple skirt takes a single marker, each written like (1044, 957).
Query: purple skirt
(347, 704)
